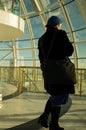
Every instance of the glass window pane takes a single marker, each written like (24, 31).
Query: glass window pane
(75, 16)
(37, 26)
(28, 5)
(81, 50)
(80, 35)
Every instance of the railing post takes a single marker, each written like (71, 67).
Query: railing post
(23, 77)
(19, 90)
(80, 82)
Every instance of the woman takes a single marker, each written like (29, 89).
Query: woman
(61, 49)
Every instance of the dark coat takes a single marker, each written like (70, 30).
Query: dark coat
(62, 48)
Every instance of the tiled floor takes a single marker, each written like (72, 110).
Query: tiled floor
(21, 112)
(75, 118)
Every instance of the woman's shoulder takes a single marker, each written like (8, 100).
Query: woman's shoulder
(43, 36)
(62, 31)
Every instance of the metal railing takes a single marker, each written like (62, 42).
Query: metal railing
(31, 80)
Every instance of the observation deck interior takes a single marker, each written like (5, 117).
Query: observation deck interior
(22, 94)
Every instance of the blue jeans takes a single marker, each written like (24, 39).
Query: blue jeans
(59, 99)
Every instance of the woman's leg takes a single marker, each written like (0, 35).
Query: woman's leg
(43, 119)
(55, 113)
(56, 101)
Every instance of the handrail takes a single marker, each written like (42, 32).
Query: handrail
(23, 77)
(19, 76)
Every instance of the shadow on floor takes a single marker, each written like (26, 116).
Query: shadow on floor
(10, 96)
(33, 124)
(30, 125)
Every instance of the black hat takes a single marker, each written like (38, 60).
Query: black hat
(53, 21)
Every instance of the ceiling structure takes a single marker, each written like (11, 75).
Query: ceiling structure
(23, 51)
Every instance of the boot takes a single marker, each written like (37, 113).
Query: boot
(43, 119)
(55, 113)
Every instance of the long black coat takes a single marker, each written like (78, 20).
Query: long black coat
(61, 48)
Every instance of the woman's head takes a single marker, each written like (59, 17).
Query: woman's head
(54, 21)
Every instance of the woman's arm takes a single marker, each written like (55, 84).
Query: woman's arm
(68, 45)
